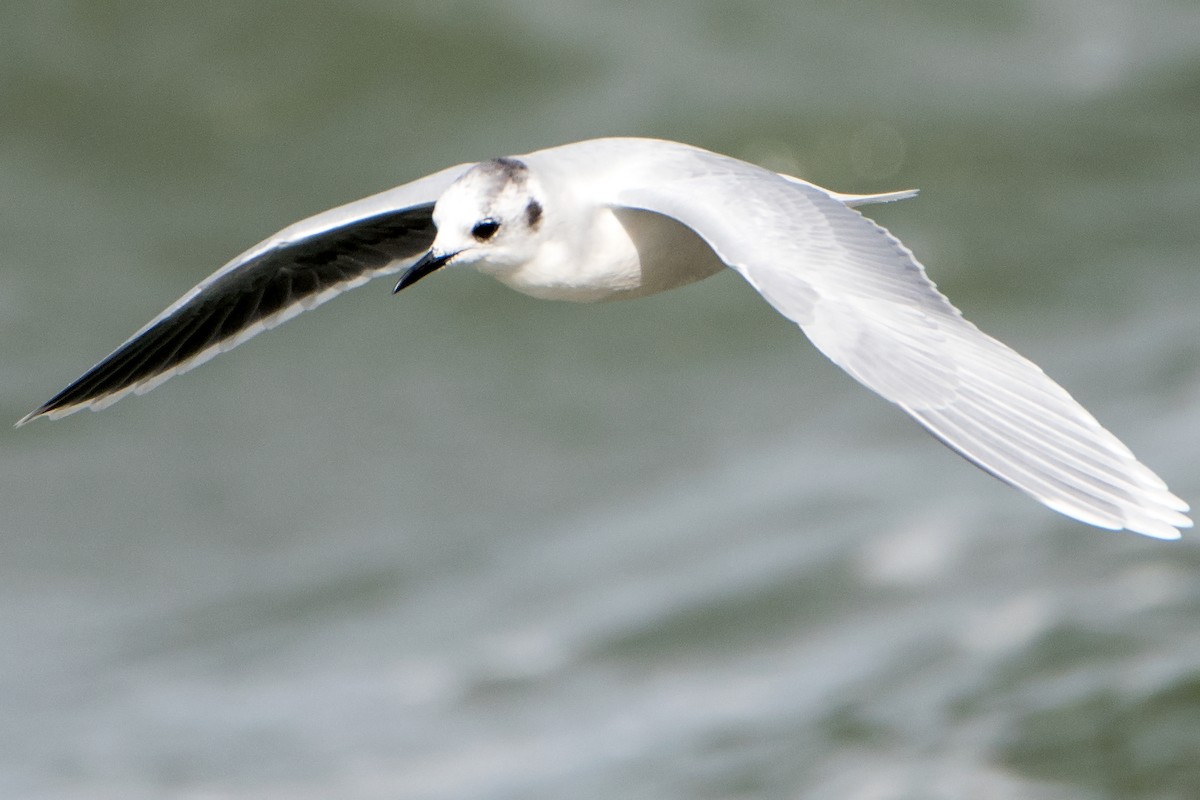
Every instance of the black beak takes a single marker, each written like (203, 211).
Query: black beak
(430, 262)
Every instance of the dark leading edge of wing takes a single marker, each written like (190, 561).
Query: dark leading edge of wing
(231, 307)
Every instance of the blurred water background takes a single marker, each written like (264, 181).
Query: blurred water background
(464, 544)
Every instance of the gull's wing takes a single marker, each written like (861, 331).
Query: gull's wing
(867, 304)
(297, 269)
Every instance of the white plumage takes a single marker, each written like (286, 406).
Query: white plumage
(615, 218)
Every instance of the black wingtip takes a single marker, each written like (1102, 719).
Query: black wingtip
(32, 415)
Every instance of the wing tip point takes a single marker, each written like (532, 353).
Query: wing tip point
(1166, 526)
(47, 410)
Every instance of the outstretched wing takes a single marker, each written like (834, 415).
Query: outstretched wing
(867, 304)
(299, 268)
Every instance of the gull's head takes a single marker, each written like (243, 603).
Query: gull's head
(489, 218)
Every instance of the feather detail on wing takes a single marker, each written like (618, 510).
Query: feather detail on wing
(299, 268)
(867, 304)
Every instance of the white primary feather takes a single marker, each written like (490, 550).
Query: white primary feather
(865, 302)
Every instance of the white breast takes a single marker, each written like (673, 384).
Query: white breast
(623, 254)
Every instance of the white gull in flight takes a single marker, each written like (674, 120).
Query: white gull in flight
(616, 218)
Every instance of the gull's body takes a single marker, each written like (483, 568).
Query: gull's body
(618, 218)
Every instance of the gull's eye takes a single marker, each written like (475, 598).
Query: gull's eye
(485, 229)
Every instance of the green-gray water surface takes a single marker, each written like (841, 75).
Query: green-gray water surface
(463, 544)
